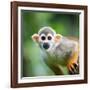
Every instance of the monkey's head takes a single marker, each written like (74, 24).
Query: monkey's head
(47, 38)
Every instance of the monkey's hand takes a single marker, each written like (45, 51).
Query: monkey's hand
(73, 64)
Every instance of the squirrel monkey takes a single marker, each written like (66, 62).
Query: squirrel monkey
(58, 51)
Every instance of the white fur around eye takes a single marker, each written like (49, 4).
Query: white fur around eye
(50, 35)
(42, 36)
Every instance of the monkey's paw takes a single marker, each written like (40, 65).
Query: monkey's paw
(73, 68)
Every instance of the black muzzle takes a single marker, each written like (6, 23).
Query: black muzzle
(46, 45)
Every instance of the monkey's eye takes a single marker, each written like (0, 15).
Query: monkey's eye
(43, 37)
(49, 37)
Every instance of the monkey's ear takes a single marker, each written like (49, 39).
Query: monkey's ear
(35, 37)
(58, 37)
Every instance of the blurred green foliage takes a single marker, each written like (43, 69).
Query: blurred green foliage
(66, 24)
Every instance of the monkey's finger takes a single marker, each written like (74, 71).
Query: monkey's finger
(75, 65)
(72, 66)
(73, 70)
(70, 69)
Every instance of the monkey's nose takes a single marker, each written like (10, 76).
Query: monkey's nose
(45, 45)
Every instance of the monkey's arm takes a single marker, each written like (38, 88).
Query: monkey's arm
(72, 64)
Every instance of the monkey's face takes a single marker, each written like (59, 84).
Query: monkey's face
(46, 42)
(46, 38)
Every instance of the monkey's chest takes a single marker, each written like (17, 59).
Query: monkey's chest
(59, 57)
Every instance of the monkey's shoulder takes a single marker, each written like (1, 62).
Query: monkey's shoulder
(66, 47)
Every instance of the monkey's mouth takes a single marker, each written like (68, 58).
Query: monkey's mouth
(46, 46)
